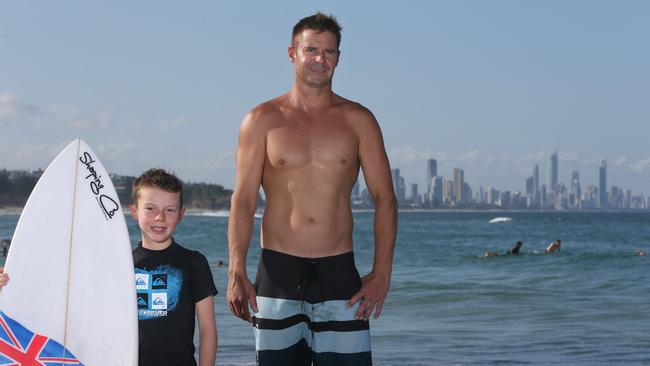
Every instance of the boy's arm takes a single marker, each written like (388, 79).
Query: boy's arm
(207, 331)
(4, 278)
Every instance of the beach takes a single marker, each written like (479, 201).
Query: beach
(586, 305)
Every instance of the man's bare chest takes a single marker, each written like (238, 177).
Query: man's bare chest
(325, 145)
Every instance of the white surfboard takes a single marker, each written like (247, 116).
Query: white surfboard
(71, 271)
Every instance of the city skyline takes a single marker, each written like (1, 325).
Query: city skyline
(454, 191)
(488, 87)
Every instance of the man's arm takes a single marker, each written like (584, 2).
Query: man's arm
(376, 172)
(251, 153)
(207, 331)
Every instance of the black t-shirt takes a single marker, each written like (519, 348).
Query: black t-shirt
(169, 283)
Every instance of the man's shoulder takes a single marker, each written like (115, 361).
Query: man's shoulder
(268, 109)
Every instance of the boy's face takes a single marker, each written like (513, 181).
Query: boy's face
(157, 212)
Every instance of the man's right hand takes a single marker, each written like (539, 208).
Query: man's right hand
(240, 294)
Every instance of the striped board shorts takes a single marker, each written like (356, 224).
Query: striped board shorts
(303, 317)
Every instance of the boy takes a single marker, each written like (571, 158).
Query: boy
(173, 283)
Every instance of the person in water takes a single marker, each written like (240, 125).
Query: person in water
(554, 247)
(514, 250)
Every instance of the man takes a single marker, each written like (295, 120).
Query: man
(554, 246)
(515, 249)
(305, 148)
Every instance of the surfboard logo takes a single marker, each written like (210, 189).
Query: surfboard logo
(20, 346)
(108, 205)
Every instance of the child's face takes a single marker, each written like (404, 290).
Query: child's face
(157, 213)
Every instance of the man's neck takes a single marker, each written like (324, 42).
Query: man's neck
(310, 99)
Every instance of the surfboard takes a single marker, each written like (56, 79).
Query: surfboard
(71, 294)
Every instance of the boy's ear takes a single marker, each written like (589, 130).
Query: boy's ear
(181, 214)
(134, 212)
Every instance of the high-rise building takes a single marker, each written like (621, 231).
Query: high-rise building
(602, 185)
(551, 173)
(574, 194)
(432, 171)
(459, 180)
(415, 196)
(448, 192)
(436, 194)
(536, 179)
(398, 186)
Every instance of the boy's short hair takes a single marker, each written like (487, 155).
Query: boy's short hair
(158, 178)
(318, 22)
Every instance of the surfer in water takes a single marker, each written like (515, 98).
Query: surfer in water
(305, 149)
(514, 250)
(554, 247)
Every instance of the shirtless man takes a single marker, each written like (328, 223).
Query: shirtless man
(554, 246)
(305, 149)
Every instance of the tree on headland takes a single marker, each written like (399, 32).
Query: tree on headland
(16, 186)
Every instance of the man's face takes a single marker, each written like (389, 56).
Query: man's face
(315, 56)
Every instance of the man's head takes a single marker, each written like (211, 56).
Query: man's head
(318, 22)
(157, 206)
(314, 50)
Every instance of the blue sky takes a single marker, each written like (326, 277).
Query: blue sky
(491, 87)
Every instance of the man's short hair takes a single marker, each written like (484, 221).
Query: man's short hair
(318, 22)
(158, 178)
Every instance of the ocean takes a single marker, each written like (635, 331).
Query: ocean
(589, 304)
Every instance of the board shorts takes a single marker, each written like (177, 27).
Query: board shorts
(303, 317)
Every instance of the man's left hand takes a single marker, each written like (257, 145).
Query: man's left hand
(374, 289)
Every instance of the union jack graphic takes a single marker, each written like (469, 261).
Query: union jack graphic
(21, 347)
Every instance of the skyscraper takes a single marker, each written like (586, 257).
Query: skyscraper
(436, 194)
(398, 186)
(536, 179)
(432, 171)
(575, 193)
(415, 196)
(551, 172)
(459, 179)
(602, 185)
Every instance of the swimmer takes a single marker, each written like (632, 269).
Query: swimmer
(515, 248)
(554, 247)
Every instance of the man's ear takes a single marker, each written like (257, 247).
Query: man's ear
(291, 52)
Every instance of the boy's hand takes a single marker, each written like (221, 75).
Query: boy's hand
(240, 294)
(4, 278)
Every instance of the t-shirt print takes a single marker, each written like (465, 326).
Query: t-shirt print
(157, 290)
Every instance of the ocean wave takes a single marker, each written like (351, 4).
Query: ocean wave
(500, 219)
(222, 213)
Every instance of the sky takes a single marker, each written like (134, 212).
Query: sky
(491, 87)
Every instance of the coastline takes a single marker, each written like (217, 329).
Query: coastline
(11, 210)
(15, 210)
